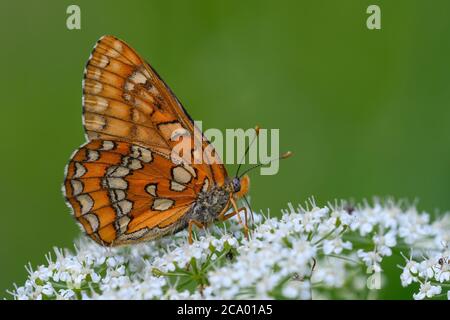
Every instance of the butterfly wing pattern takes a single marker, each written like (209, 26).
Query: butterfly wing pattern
(126, 185)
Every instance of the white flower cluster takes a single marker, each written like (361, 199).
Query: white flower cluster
(430, 268)
(310, 252)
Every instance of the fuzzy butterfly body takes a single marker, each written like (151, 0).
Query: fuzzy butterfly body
(126, 185)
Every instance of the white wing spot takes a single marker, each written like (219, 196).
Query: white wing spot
(162, 204)
(129, 86)
(205, 185)
(155, 92)
(117, 195)
(141, 154)
(80, 170)
(96, 123)
(115, 183)
(94, 73)
(117, 171)
(86, 203)
(146, 155)
(181, 175)
(93, 155)
(131, 163)
(138, 77)
(98, 87)
(102, 62)
(77, 187)
(93, 86)
(175, 186)
(123, 207)
(95, 103)
(151, 189)
(122, 224)
(92, 220)
(107, 145)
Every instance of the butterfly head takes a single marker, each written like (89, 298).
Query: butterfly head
(240, 186)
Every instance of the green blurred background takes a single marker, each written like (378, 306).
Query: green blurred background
(365, 112)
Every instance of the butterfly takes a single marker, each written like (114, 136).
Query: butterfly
(125, 184)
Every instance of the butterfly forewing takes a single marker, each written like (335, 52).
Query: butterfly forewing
(125, 99)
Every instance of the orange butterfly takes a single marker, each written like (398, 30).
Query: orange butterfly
(125, 185)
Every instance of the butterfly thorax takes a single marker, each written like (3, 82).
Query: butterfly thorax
(209, 205)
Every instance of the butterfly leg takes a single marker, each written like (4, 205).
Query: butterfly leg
(233, 203)
(223, 216)
(191, 223)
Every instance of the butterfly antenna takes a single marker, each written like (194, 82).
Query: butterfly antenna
(247, 150)
(283, 156)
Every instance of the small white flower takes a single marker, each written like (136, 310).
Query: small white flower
(385, 242)
(344, 216)
(95, 277)
(427, 291)
(372, 260)
(47, 289)
(336, 246)
(426, 268)
(365, 221)
(111, 262)
(64, 294)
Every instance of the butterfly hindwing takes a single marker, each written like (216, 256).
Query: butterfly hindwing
(120, 190)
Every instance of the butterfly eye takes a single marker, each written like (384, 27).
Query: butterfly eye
(236, 184)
